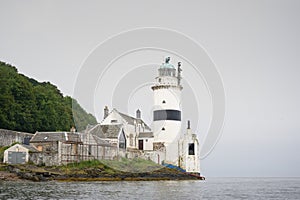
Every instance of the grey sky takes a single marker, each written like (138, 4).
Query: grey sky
(254, 44)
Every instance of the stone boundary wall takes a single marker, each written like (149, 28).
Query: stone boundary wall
(8, 137)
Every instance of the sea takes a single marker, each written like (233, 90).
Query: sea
(211, 188)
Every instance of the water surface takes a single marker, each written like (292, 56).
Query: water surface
(212, 188)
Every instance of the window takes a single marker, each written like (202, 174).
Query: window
(191, 149)
(113, 121)
(90, 150)
(167, 115)
(163, 101)
(141, 145)
(40, 148)
(122, 145)
(122, 141)
(163, 129)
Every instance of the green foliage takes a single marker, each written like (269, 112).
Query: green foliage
(2, 149)
(28, 105)
(85, 164)
(136, 165)
(132, 165)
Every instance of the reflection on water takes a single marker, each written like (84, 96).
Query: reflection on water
(212, 188)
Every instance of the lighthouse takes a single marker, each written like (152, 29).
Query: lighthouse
(167, 109)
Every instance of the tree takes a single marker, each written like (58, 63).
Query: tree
(28, 105)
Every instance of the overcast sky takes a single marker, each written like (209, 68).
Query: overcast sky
(254, 44)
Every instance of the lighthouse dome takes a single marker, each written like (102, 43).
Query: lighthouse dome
(167, 69)
(167, 66)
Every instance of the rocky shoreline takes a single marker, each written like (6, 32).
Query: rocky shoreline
(35, 173)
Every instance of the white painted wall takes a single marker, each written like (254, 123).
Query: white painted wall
(166, 80)
(171, 133)
(172, 97)
(115, 118)
(191, 163)
(164, 99)
(147, 143)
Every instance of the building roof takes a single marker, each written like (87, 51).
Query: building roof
(146, 135)
(167, 66)
(101, 141)
(106, 131)
(29, 147)
(56, 136)
(89, 127)
(131, 120)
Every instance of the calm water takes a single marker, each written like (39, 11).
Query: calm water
(213, 188)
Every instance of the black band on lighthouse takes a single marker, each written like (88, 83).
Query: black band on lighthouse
(167, 115)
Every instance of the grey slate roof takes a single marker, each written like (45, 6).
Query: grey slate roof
(89, 127)
(55, 136)
(146, 135)
(130, 120)
(106, 131)
(101, 142)
(30, 148)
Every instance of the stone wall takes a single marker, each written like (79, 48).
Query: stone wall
(8, 137)
(43, 158)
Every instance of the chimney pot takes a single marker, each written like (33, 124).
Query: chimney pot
(138, 114)
(105, 112)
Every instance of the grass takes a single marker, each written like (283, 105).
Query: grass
(85, 164)
(109, 167)
(82, 167)
(2, 167)
(132, 165)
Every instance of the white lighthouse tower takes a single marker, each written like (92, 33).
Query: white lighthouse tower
(167, 109)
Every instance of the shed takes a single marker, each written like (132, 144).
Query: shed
(18, 154)
(56, 148)
(146, 140)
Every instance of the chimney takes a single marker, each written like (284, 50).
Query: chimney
(73, 130)
(188, 124)
(138, 114)
(105, 112)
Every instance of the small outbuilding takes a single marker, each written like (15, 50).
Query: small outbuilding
(55, 148)
(145, 141)
(18, 154)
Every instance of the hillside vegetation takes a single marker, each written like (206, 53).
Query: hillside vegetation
(28, 105)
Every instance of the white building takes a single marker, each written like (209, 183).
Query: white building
(167, 120)
(18, 154)
(167, 110)
(131, 126)
(189, 152)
